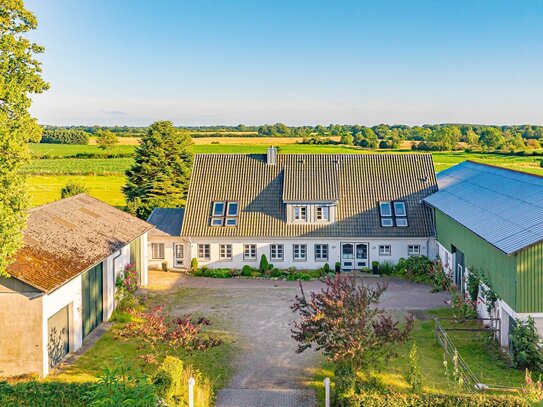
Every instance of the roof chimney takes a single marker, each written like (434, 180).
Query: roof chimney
(272, 156)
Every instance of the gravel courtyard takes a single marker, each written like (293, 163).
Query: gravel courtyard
(267, 370)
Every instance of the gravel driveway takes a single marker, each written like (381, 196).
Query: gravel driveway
(267, 370)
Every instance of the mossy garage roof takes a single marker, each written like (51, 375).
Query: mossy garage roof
(357, 182)
(67, 237)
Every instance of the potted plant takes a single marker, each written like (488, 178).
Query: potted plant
(164, 265)
(375, 266)
(338, 267)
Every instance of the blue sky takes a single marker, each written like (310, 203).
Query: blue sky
(297, 62)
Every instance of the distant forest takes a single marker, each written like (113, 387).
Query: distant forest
(437, 137)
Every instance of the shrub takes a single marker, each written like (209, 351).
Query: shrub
(276, 273)
(121, 385)
(263, 264)
(65, 137)
(246, 271)
(235, 273)
(386, 267)
(299, 276)
(194, 263)
(326, 269)
(525, 345)
(73, 188)
(375, 399)
(41, 393)
(464, 308)
(217, 273)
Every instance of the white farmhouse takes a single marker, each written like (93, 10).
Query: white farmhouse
(299, 210)
(62, 283)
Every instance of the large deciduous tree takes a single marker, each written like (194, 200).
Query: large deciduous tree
(160, 175)
(20, 76)
(343, 321)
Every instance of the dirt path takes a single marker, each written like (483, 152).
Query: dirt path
(267, 370)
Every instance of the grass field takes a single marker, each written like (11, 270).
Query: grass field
(481, 355)
(46, 188)
(105, 176)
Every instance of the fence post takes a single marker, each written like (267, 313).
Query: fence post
(327, 392)
(191, 391)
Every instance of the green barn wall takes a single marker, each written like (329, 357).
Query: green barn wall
(498, 267)
(530, 279)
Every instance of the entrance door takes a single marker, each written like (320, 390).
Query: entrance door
(58, 343)
(459, 271)
(361, 255)
(347, 256)
(178, 255)
(93, 297)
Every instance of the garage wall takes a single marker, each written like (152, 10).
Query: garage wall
(21, 345)
(67, 295)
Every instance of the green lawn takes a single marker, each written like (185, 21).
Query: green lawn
(43, 189)
(482, 356)
(104, 176)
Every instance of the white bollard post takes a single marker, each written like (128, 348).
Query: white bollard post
(327, 392)
(192, 382)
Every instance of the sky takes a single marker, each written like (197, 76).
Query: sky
(132, 62)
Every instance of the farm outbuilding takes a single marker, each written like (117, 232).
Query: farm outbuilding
(490, 220)
(62, 283)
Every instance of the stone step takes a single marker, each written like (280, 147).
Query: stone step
(265, 398)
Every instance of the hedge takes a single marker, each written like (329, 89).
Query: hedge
(43, 394)
(65, 137)
(433, 400)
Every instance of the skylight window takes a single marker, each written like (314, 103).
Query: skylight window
(389, 218)
(399, 209)
(216, 221)
(218, 209)
(224, 213)
(232, 209)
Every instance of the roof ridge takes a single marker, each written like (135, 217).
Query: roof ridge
(61, 200)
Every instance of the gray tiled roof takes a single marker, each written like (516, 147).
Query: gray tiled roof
(361, 181)
(167, 220)
(502, 206)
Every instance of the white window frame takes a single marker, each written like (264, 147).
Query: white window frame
(204, 251)
(160, 248)
(230, 220)
(216, 222)
(250, 252)
(230, 203)
(320, 216)
(384, 204)
(402, 222)
(401, 204)
(319, 249)
(385, 250)
(213, 210)
(298, 250)
(411, 252)
(301, 216)
(225, 251)
(278, 248)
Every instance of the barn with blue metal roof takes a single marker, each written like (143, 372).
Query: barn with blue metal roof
(490, 220)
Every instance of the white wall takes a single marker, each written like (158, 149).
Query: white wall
(398, 247)
(71, 294)
(168, 242)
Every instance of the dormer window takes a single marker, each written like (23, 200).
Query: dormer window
(224, 213)
(323, 213)
(300, 213)
(393, 214)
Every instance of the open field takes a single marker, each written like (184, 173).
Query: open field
(105, 176)
(46, 188)
(481, 354)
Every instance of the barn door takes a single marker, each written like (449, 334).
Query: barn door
(93, 297)
(58, 342)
